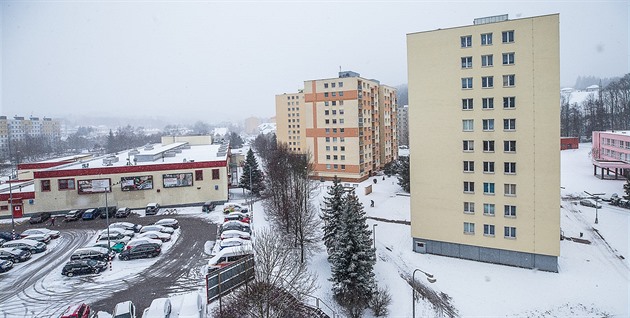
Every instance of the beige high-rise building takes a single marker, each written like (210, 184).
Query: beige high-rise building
(485, 139)
(347, 124)
(16, 129)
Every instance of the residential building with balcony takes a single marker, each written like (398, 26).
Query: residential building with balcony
(611, 154)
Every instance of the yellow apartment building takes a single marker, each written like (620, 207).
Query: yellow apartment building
(484, 141)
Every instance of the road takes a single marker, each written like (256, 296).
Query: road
(38, 289)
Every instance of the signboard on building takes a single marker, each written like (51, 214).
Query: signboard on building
(93, 186)
(136, 183)
(173, 180)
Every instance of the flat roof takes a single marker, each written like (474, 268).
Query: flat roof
(18, 186)
(66, 158)
(617, 132)
(478, 25)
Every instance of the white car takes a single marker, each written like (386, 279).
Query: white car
(234, 233)
(160, 308)
(127, 226)
(118, 230)
(54, 234)
(590, 203)
(113, 237)
(126, 309)
(158, 228)
(231, 242)
(193, 306)
(45, 237)
(156, 236)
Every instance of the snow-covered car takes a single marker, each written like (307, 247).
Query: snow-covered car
(235, 225)
(54, 234)
(83, 266)
(30, 245)
(118, 230)
(172, 223)
(590, 203)
(231, 242)
(93, 252)
(142, 240)
(156, 236)
(228, 256)
(73, 215)
(14, 254)
(160, 307)
(237, 216)
(233, 207)
(235, 234)
(125, 309)
(113, 237)
(192, 306)
(152, 209)
(115, 246)
(127, 226)
(5, 265)
(44, 237)
(158, 228)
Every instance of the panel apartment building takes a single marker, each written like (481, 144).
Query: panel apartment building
(347, 124)
(485, 140)
(16, 129)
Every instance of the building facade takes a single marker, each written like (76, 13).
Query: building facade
(403, 125)
(486, 96)
(18, 128)
(611, 154)
(347, 124)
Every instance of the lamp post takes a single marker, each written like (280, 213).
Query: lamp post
(431, 280)
(374, 234)
(596, 197)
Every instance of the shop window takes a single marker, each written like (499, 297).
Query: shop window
(215, 174)
(65, 184)
(198, 175)
(45, 185)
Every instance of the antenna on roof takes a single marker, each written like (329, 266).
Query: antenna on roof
(339, 68)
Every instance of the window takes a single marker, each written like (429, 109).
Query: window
(328, 166)
(343, 148)
(487, 81)
(198, 175)
(509, 146)
(507, 36)
(469, 228)
(66, 184)
(325, 85)
(469, 145)
(343, 157)
(509, 232)
(327, 148)
(469, 207)
(486, 60)
(343, 167)
(488, 230)
(466, 41)
(488, 166)
(467, 104)
(509, 167)
(326, 112)
(467, 82)
(340, 84)
(334, 94)
(467, 62)
(488, 188)
(509, 102)
(509, 211)
(340, 93)
(327, 157)
(488, 146)
(509, 80)
(325, 103)
(215, 174)
(45, 185)
(486, 39)
(487, 103)
(508, 58)
(327, 130)
(509, 124)
(509, 189)
(326, 94)
(488, 124)
(469, 166)
(469, 187)
(488, 209)
(332, 84)
(467, 125)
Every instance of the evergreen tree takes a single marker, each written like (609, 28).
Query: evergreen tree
(353, 259)
(251, 169)
(626, 189)
(331, 213)
(235, 140)
(403, 174)
(111, 142)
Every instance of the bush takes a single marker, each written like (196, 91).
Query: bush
(380, 301)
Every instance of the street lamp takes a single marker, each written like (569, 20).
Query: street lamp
(431, 280)
(374, 234)
(597, 198)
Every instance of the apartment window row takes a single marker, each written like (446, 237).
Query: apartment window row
(336, 157)
(333, 84)
(488, 167)
(334, 139)
(335, 130)
(509, 189)
(292, 97)
(486, 39)
(333, 94)
(509, 232)
(487, 60)
(333, 103)
(335, 148)
(293, 120)
(487, 103)
(334, 121)
(509, 211)
(616, 143)
(509, 124)
(509, 80)
(293, 103)
(333, 112)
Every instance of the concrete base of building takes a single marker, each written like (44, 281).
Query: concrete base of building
(485, 254)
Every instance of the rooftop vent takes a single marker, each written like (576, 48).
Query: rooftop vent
(148, 147)
(134, 152)
(492, 19)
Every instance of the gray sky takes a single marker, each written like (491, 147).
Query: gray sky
(220, 60)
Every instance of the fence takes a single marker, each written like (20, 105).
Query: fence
(221, 282)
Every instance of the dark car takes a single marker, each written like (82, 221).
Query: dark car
(91, 214)
(143, 250)
(235, 225)
(84, 266)
(172, 223)
(123, 212)
(5, 265)
(109, 211)
(39, 217)
(30, 245)
(73, 215)
(14, 254)
(152, 209)
(93, 252)
(208, 206)
(7, 236)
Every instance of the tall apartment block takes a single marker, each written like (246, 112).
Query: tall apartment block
(485, 140)
(16, 129)
(403, 125)
(347, 124)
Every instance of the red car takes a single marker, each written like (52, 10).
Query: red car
(237, 216)
(77, 311)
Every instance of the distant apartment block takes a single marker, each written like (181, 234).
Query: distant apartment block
(485, 141)
(403, 125)
(347, 123)
(18, 128)
(611, 154)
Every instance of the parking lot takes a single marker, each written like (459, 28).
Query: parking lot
(36, 287)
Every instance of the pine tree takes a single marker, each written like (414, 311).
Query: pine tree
(403, 174)
(331, 213)
(251, 169)
(353, 259)
(626, 189)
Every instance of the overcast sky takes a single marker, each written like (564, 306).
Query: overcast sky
(220, 60)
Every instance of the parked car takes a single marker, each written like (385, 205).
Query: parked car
(30, 245)
(108, 211)
(235, 225)
(118, 230)
(5, 265)
(7, 236)
(237, 216)
(208, 206)
(14, 254)
(228, 256)
(126, 309)
(83, 266)
(156, 236)
(91, 214)
(127, 226)
(152, 209)
(39, 217)
(231, 242)
(590, 203)
(113, 237)
(2, 241)
(73, 215)
(143, 240)
(172, 223)
(92, 252)
(158, 228)
(53, 233)
(123, 212)
(193, 306)
(77, 311)
(44, 238)
(233, 207)
(159, 308)
(115, 246)
(142, 250)
(234, 233)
